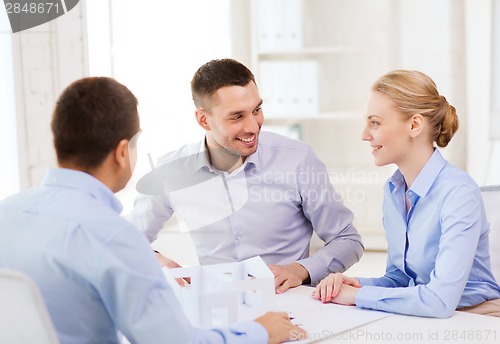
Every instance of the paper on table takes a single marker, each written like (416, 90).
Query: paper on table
(322, 320)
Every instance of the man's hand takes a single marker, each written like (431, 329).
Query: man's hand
(337, 288)
(167, 262)
(280, 328)
(171, 264)
(288, 276)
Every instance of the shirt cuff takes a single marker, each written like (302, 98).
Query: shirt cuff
(254, 331)
(366, 281)
(316, 269)
(366, 297)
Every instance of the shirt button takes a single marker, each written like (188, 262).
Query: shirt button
(410, 193)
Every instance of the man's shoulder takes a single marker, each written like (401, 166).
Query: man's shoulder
(283, 152)
(21, 199)
(44, 207)
(276, 141)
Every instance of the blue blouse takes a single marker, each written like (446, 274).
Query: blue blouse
(438, 256)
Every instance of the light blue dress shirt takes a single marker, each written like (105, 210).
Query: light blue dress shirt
(268, 207)
(438, 256)
(96, 272)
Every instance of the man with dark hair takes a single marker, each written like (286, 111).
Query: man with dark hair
(96, 272)
(243, 192)
(87, 126)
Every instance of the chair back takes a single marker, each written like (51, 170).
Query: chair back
(491, 200)
(23, 315)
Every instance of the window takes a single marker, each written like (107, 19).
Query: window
(154, 48)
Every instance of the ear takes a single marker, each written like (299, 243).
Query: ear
(201, 118)
(416, 125)
(121, 153)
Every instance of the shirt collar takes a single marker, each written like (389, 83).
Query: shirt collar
(203, 160)
(425, 178)
(202, 157)
(254, 158)
(396, 181)
(73, 179)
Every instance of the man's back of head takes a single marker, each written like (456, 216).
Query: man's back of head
(91, 116)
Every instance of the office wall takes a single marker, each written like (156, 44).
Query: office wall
(46, 59)
(9, 173)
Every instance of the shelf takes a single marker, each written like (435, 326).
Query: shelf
(308, 51)
(318, 116)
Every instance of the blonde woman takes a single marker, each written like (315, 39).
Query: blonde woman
(433, 214)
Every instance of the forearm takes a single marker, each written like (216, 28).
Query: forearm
(336, 256)
(392, 279)
(418, 300)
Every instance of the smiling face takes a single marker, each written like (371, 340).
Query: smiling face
(233, 121)
(387, 131)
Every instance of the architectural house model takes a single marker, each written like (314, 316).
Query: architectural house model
(222, 294)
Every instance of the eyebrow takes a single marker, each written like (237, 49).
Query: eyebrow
(259, 105)
(371, 116)
(240, 112)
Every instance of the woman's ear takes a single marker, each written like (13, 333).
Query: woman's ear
(201, 118)
(416, 125)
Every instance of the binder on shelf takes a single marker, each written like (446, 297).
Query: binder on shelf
(309, 87)
(279, 24)
(293, 24)
(289, 88)
(271, 88)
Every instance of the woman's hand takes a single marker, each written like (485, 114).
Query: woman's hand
(337, 288)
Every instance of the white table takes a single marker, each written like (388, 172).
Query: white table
(462, 327)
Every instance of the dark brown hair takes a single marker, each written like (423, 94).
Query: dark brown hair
(91, 117)
(216, 74)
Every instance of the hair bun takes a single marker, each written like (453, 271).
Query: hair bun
(449, 123)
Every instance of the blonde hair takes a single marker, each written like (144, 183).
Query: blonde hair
(414, 93)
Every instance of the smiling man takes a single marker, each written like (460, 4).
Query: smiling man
(243, 192)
